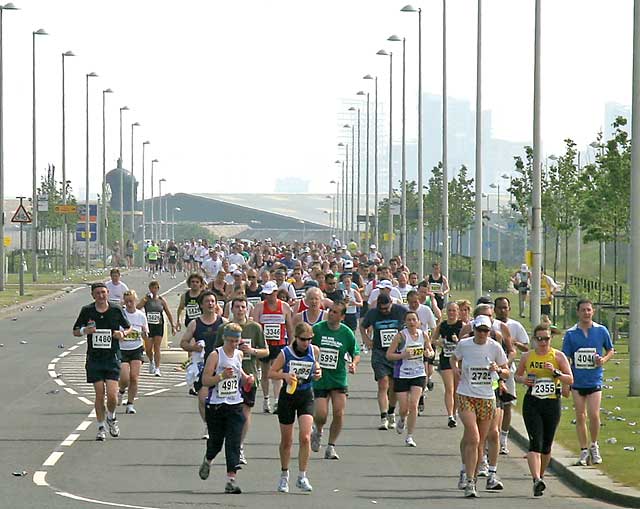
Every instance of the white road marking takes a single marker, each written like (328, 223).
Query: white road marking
(181, 384)
(94, 501)
(52, 459)
(92, 414)
(51, 366)
(85, 400)
(71, 349)
(53, 374)
(59, 382)
(68, 442)
(63, 354)
(70, 391)
(153, 393)
(83, 426)
(39, 478)
(54, 361)
(82, 342)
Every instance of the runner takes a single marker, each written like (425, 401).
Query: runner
(584, 344)
(203, 328)
(548, 289)
(153, 252)
(337, 343)
(253, 289)
(314, 312)
(385, 320)
(447, 334)
(116, 288)
(276, 319)
(521, 282)
(102, 322)
(384, 287)
(352, 299)
(223, 379)
(475, 360)
(189, 300)
(172, 258)
(296, 364)
(545, 368)
(253, 347)
(408, 350)
(131, 351)
(439, 284)
(427, 324)
(153, 305)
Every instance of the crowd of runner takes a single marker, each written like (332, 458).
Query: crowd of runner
(292, 321)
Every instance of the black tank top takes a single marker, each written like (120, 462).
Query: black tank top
(207, 333)
(154, 310)
(192, 308)
(254, 293)
(448, 330)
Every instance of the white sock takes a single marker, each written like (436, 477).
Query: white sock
(111, 415)
(284, 473)
(302, 473)
(100, 424)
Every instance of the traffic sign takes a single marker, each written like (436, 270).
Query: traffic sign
(21, 215)
(66, 209)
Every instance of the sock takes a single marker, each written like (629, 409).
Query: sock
(583, 448)
(231, 477)
(332, 445)
(493, 469)
(111, 415)
(463, 468)
(284, 473)
(302, 473)
(392, 410)
(383, 415)
(451, 417)
(504, 433)
(101, 424)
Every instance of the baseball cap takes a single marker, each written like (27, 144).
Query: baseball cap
(482, 321)
(348, 264)
(269, 287)
(524, 267)
(385, 283)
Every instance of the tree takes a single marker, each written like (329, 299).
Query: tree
(433, 205)
(461, 204)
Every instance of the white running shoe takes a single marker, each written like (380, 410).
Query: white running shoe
(283, 484)
(494, 483)
(384, 424)
(583, 461)
(316, 438)
(130, 409)
(504, 450)
(303, 484)
(462, 480)
(483, 471)
(114, 429)
(594, 450)
(392, 420)
(266, 406)
(410, 442)
(205, 433)
(156, 372)
(470, 489)
(400, 426)
(102, 434)
(152, 368)
(330, 453)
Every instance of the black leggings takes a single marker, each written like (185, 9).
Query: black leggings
(225, 423)
(541, 418)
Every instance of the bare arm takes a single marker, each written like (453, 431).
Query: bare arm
(188, 343)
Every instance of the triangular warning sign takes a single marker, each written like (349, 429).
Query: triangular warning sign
(21, 215)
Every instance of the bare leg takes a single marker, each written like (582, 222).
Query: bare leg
(304, 439)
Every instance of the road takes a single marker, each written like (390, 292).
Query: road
(154, 464)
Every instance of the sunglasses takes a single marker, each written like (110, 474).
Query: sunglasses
(543, 338)
(302, 338)
(251, 277)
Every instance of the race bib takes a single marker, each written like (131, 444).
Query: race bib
(193, 311)
(543, 388)
(416, 352)
(448, 348)
(228, 387)
(435, 287)
(253, 300)
(153, 317)
(101, 339)
(386, 337)
(479, 377)
(328, 358)
(302, 369)
(272, 332)
(585, 358)
(134, 335)
(543, 294)
(245, 341)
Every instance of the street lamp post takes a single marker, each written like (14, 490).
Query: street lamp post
(445, 156)
(366, 185)
(390, 55)
(34, 214)
(65, 244)
(478, 183)
(335, 204)
(345, 188)
(123, 108)
(133, 200)
(144, 226)
(153, 230)
(352, 228)
(497, 186)
(87, 233)
(160, 208)
(105, 221)
(375, 160)
(173, 221)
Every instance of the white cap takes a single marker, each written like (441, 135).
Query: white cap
(348, 264)
(524, 267)
(385, 283)
(373, 246)
(233, 267)
(481, 321)
(269, 287)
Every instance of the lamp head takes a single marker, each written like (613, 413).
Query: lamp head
(367, 77)
(382, 52)
(135, 124)
(155, 161)
(92, 75)
(67, 53)
(394, 38)
(107, 91)
(360, 92)
(408, 8)
(40, 31)
(9, 7)
(146, 142)
(124, 108)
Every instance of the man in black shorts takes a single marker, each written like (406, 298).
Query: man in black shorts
(105, 325)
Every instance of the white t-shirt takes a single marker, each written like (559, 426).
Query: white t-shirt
(289, 288)
(426, 317)
(517, 331)
(237, 259)
(404, 291)
(138, 321)
(395, 294)
(211, 268)
(477, 380)
(116, 291)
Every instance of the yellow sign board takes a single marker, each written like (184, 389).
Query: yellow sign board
(385, 237)
(7, 241)
(529, 258)
(66, 209)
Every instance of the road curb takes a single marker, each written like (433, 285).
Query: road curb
(588, 480)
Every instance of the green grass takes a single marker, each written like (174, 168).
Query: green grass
(10, 296)
(73, 277)
(619, 464)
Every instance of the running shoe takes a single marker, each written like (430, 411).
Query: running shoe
(283, 484)
(452, 422)
(410, 442)
(421, 406)
(470, 489)
(538, 487)
(130, 410)
(303, 484)
(494, 483)
(392, 420)
(266, 406)
(400, 426)
(594, 450)
(205, 433)
(204, 470)
(483, 471)
(102, 434)
(462, 480)
(243, 459)
(315, 439)
(583, 461)
(114, 429)
(430, 385)
(152, 368)
(330, 453)
(156, 372)
(504, 450)
(232, 487)
(384, 424)
(275, 408)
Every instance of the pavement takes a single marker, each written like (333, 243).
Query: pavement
(47, 431)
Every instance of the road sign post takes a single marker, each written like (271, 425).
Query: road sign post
(21, 216)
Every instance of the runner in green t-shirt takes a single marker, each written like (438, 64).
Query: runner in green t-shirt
(253, 347)
(339, 355)
(153, 254)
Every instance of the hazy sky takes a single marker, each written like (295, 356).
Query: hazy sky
(233, 95)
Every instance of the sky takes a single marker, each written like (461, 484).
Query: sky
(234, 95)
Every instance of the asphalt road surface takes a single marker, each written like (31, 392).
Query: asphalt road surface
(46, 430)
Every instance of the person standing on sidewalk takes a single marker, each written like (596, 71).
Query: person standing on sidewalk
(105, 326)
(588, 347)
(542, 370)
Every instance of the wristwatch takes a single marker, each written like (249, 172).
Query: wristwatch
(557, 373)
